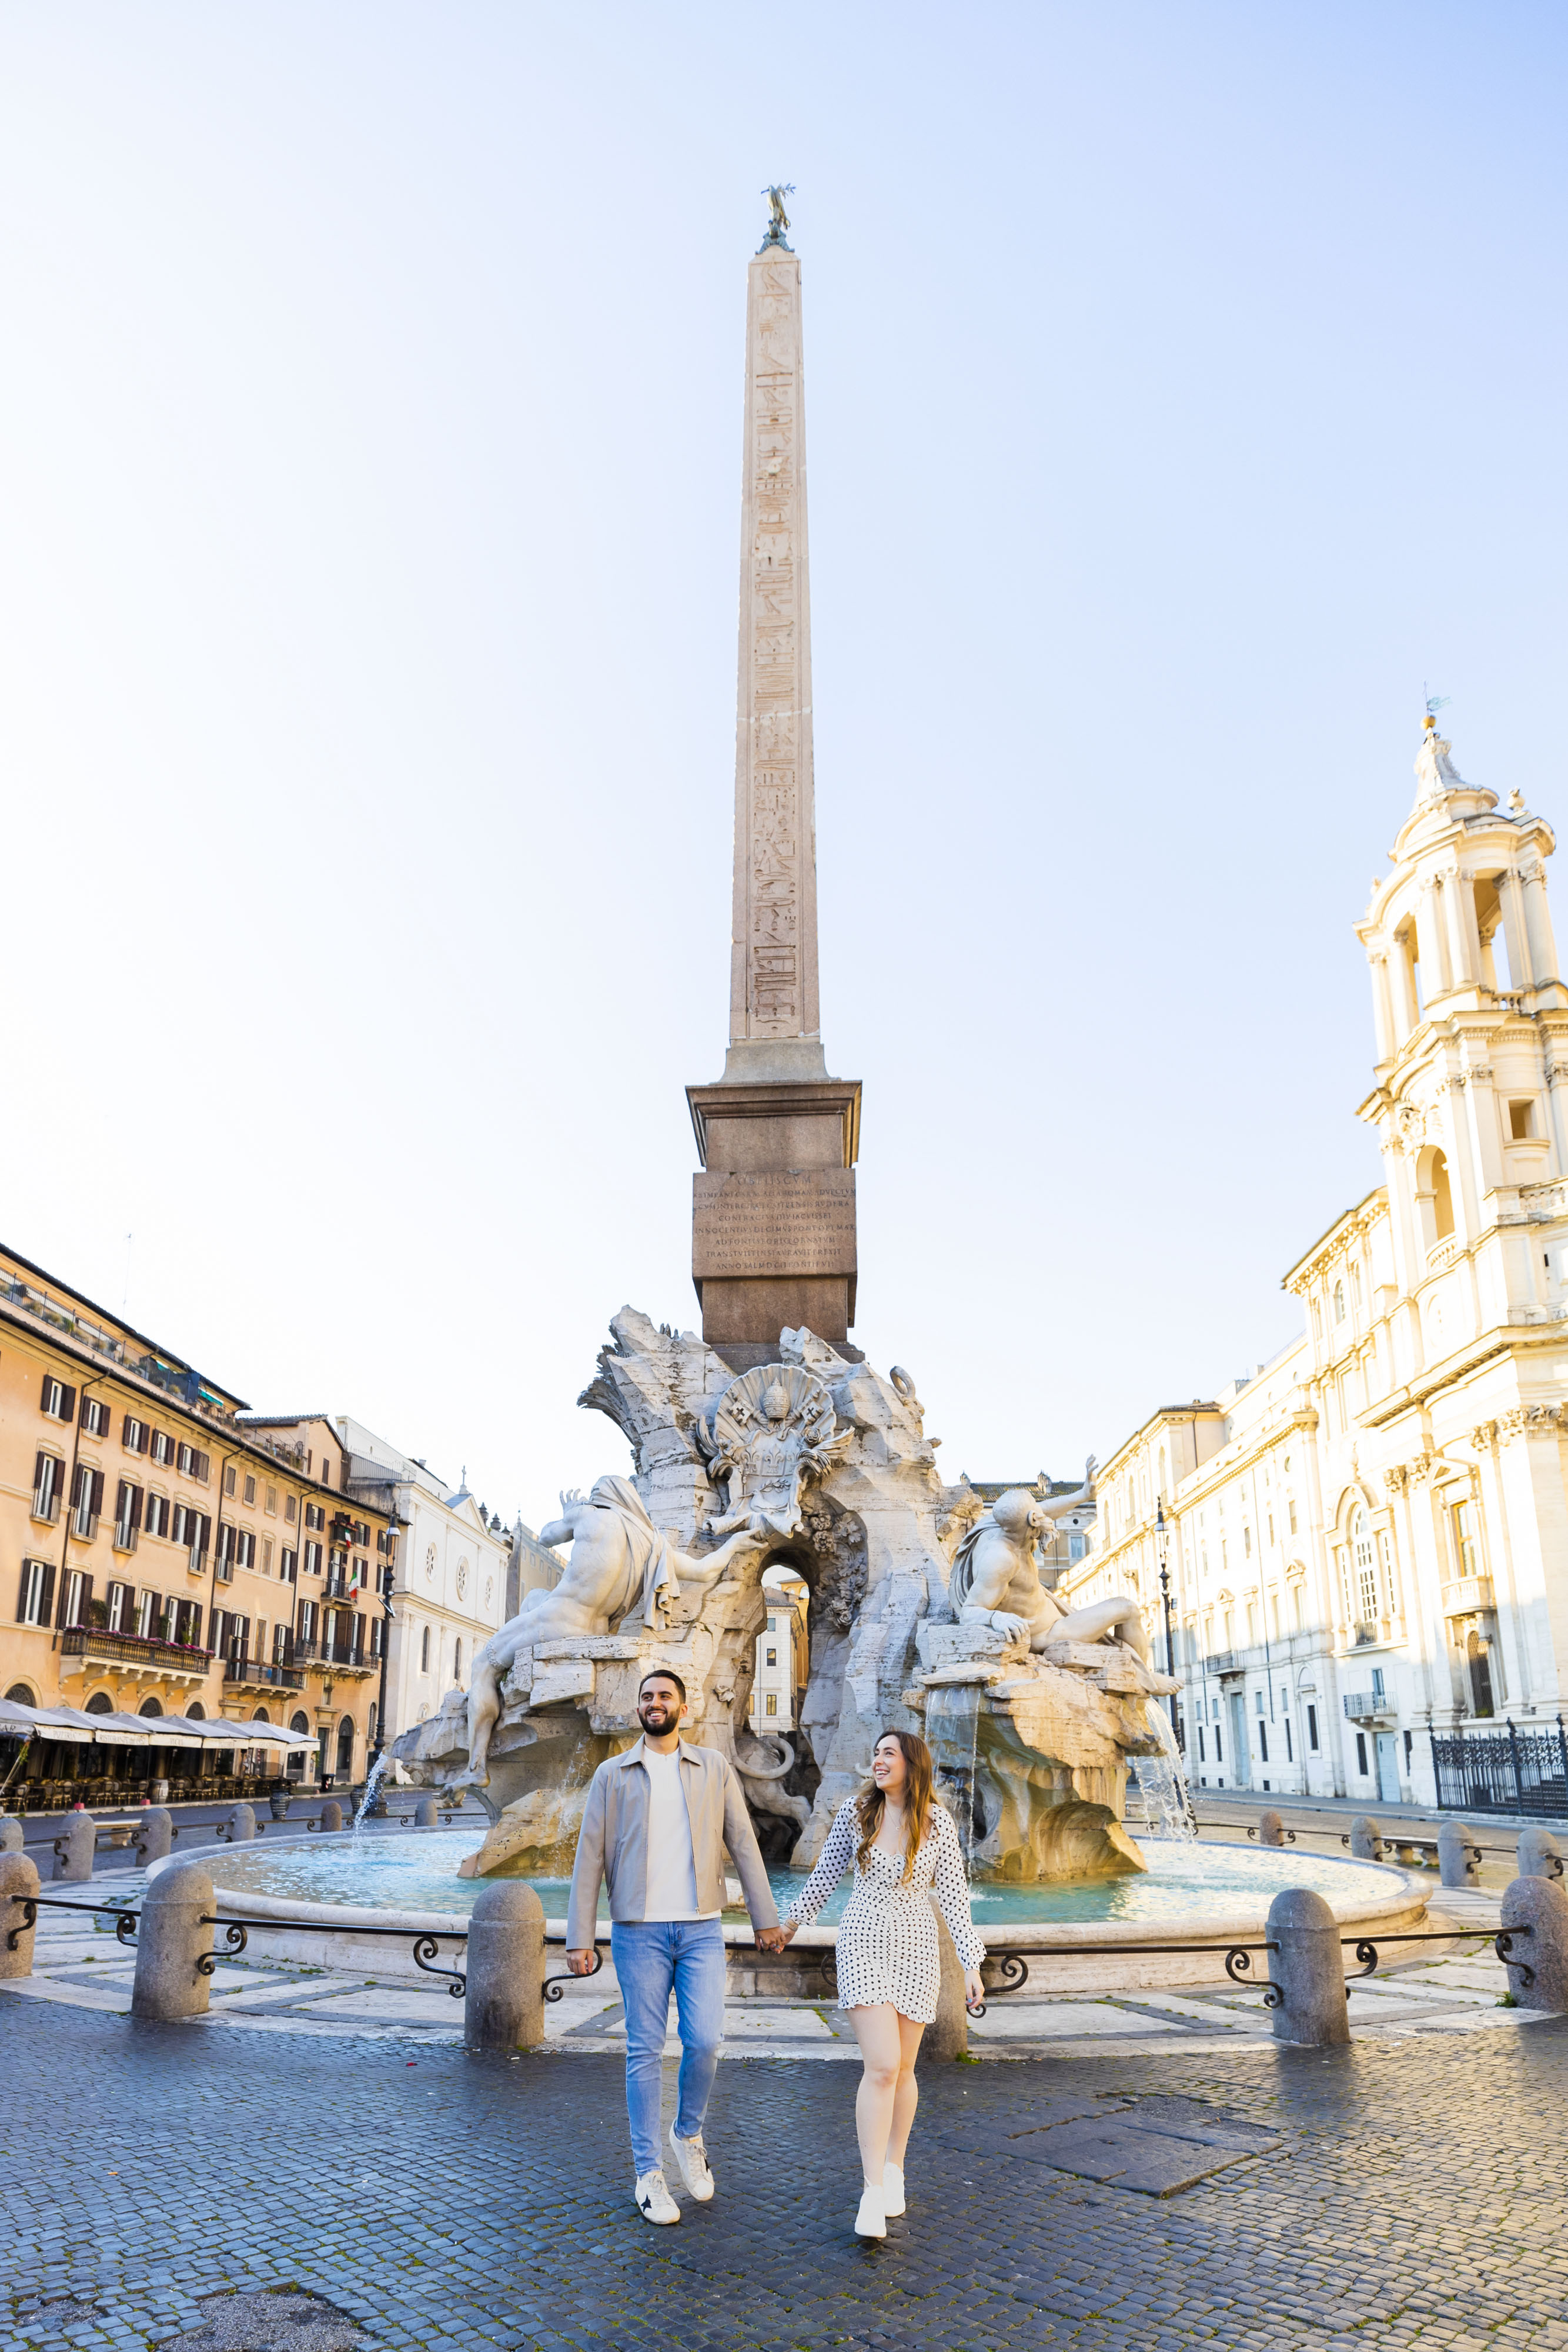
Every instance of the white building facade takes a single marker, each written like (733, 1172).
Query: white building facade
(1366, 1542)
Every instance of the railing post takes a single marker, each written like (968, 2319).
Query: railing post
(171, 1942)
(12, 1840)
(1456, 1854)
(74, 1849)
(1540, 1856)
(1308, 1970)
(1436, 1768)
(1562, 1750)
(242, 1824)
(504, 2005)
(1541, 1906)
(19, 1876)
(1518, 1775)
(1365, 1839)
(155, 1833)
(948, 2035)
(425, 1814)
(331, 1814)
(1271, 1829)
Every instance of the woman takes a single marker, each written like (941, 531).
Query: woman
(902, 1845)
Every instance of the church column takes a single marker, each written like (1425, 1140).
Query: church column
(1463, 937)
(1382, 1007)
(1538, 923)
(1521, 966)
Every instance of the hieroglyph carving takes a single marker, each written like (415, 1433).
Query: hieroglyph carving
(773, 1430)
(775, 941)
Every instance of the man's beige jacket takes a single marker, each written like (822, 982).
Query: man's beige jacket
(612, 1843)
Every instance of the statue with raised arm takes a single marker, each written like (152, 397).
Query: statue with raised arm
(620, 1562)
(996, 1582)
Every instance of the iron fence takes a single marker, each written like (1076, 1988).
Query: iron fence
(1506, 1772)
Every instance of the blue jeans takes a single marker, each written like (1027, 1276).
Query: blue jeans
(652, 1957)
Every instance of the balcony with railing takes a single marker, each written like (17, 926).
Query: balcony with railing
(84, 1520)
(244, 1669)
(1365, 1707)
(84, 1649)
(126, 1536)
(45, 1507)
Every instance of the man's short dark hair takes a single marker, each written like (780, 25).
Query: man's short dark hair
(661, 1674)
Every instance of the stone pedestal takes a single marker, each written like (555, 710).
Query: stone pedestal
(18, 1884)
(773, 1212)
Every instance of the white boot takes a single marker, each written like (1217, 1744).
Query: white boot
(654, 2202)
(893, 2189)
(871, 2221)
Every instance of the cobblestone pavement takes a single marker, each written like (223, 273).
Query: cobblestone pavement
(1393, 2193)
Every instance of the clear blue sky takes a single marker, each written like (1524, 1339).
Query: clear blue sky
(1186, 390)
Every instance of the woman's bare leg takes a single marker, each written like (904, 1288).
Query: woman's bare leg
(876, 2030)
(907, 2096)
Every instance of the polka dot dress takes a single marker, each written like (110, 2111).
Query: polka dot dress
(887, 1936)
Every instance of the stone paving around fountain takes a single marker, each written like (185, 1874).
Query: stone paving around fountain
(78, 1964)
(407, 2199)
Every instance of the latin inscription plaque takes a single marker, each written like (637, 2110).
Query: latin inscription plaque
(795, 1221)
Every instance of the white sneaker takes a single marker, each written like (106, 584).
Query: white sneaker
(893, 2189)
(871, 2221)
(691, 2157)
(654, 2202)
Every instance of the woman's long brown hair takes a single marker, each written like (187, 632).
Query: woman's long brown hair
(870, 1804)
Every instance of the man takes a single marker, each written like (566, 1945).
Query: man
(655, 1826)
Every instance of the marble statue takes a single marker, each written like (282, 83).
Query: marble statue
(774, 1427)
(996, 1582)
(621, 1564)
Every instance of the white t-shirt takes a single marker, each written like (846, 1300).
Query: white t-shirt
(671, 1873)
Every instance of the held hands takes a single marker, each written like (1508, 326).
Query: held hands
(773, 1940)
(973, 1991)
(580, 1963)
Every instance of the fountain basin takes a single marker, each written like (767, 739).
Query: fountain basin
(313, 1896)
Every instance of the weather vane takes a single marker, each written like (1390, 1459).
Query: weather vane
(779, 220)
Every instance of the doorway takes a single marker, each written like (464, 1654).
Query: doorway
(1240, 1749)
(1388, 1767)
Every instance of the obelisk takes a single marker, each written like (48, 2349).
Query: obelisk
(773, 1221)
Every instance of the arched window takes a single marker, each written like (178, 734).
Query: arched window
(424, 1652)
(150, 1706)
(1339, 1302)
(260, 1714)
(1363, 1568)
(346, 1745)
(1442, 1195)
(370, 1728)
(21, 1694)
(195, 1712)
(100, 1704)
(297, 1721)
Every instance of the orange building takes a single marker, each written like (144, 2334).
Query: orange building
(158, 1558)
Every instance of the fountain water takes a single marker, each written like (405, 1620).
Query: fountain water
(373, 1779)
(1162, 1784)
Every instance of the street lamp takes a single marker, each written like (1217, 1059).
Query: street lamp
(1162, 1543)
(388, 1618)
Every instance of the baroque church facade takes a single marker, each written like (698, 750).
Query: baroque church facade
(1365, 1545)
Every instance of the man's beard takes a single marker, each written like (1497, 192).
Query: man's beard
(656, 1719)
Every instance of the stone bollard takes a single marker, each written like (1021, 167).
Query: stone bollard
(1457, 1862)
(1365, 1839)
(74, 1849)
(171, 1943)
(11, 1837)
(1307, 1969)
(1540, 1856)
(1541, 1906)
(1271, 1829)
(504, 2007)
(17, 1876)
(425, 1814)
(240, 1828)
(948, 2036)
(331, 1814)
(154, 1835)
